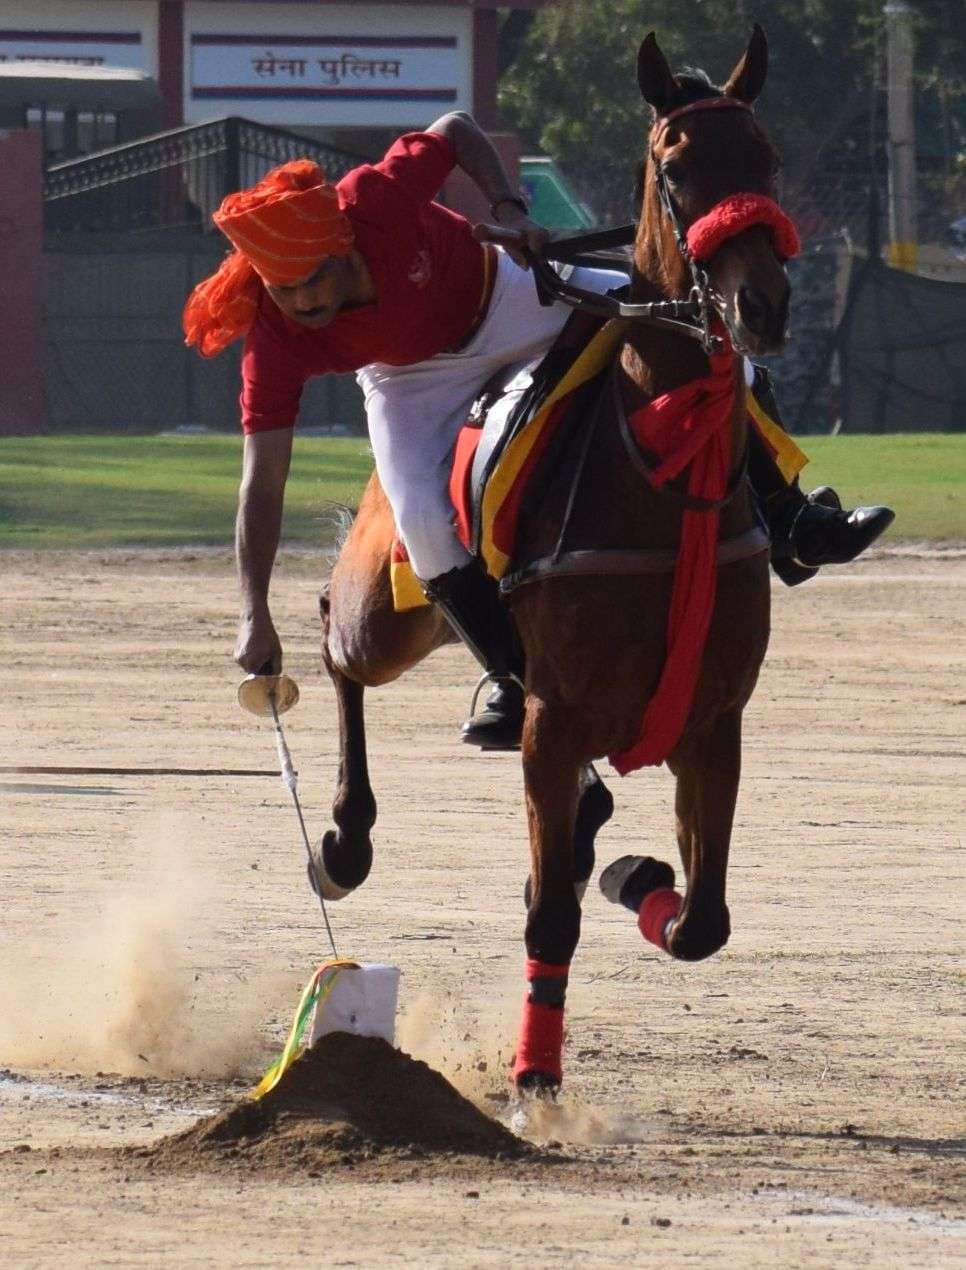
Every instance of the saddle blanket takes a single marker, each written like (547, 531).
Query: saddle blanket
(487, 495)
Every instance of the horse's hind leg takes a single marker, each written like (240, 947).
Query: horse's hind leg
(552, 776)
(365, 642)
(345, 854)
(595, 806)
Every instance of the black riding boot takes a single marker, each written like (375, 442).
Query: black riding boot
(807, 531)
(472, 605)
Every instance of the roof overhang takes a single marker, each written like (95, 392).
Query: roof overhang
(82, 87)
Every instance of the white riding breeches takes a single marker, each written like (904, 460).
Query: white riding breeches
(415, 413)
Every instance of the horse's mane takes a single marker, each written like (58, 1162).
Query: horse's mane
(694, 84)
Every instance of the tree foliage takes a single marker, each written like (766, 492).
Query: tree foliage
(571, 85)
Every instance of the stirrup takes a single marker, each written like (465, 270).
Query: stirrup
(492, 677)
(499, 726)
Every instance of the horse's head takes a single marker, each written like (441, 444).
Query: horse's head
(709, 191)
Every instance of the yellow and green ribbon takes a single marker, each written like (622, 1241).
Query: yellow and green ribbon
(313, 997)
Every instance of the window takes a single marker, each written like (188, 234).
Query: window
(69, 132)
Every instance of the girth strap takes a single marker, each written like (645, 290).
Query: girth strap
(593, 562)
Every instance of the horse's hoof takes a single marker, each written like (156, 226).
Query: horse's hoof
(533, 1110)
(695, 941)
(631, 878)
(329, 875)
(537, 1084)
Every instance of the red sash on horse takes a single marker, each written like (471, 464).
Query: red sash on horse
(689, 425)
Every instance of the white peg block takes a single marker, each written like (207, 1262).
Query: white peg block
(362, 1001)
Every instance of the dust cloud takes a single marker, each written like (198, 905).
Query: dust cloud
(123, 995)
(472, 1045)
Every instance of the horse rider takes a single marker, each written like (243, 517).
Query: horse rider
(373, 276)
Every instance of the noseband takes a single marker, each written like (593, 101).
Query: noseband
(698, 243)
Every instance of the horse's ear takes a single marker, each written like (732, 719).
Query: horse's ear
(654, 76)
(748, 78)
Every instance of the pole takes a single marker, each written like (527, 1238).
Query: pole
(900, 56)
(233, 178)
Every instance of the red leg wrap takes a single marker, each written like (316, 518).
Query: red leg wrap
(657, 909)
(541, 1028)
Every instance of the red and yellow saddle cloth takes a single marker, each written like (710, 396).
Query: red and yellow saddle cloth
(506, 488)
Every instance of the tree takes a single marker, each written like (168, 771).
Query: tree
(571, 89)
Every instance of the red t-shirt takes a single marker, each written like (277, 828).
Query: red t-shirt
(428, 274)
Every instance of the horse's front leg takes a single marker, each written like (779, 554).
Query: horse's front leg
(551, 771)
(696, 924)
(708, 776)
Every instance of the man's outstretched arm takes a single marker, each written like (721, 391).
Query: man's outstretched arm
(258, 526)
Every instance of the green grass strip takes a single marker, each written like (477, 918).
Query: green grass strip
(921, 475)
(99, 491)
(104, 491)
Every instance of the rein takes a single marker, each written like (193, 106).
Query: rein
(674, 315)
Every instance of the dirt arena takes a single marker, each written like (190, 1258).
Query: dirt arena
(798, 1100)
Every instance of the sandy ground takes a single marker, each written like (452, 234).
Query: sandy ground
(797, 1100)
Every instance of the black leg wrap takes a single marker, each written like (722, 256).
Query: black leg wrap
(629, 880)
(595, 808)
(547, 990)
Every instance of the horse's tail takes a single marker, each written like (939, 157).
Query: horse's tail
(337, 520)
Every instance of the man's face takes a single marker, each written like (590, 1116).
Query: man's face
(316, 299)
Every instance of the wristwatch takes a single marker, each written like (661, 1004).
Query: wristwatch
(509, 198)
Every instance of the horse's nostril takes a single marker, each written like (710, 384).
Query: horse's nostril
(753, 309)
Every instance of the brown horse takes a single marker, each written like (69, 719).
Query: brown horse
(595, 645)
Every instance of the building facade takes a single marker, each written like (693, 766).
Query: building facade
(79, 76)
(332, 68)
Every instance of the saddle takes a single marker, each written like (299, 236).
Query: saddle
(519, 425)
(507, 445)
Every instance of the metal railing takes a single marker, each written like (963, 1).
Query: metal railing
(176, 179)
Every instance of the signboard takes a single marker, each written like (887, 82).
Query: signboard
(73, 48)
(360, 79)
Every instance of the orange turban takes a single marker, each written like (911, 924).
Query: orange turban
(281, 229)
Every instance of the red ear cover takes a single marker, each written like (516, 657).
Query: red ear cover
(739, 212)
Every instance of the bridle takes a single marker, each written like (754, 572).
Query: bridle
(702, 294)
(692, 317)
